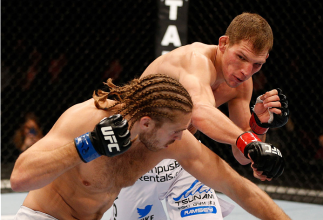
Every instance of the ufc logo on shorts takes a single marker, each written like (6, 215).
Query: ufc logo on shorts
(109, 136)
(273, 150)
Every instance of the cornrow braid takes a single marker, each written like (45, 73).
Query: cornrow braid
(148, 99)
(152, 115)
(164, 105)
(173, 89)
(139, 86)
(156, 96)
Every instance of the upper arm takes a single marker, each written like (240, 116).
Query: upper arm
(66, 128)
(194, 70)
(57, 137)
(55, 154)
(198, 76)
(239, 107)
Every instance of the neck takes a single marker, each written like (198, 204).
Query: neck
(217, 62)
(134, 132)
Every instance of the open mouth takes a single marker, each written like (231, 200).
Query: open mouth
(238, 80)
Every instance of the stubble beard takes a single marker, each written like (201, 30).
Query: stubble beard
(149, 140)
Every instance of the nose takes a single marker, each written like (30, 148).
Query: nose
(247, 70)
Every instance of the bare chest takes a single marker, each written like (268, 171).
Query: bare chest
(113, 174)
(223, 94)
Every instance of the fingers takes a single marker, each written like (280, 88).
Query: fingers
(258, 174)
(269, 94)
(275, 111)
(271, 100)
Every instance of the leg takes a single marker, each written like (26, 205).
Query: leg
(191, 199)
(143, 199)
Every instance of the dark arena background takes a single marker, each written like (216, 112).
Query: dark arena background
(55, 53)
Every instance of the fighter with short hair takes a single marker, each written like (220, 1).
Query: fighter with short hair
(215, 75)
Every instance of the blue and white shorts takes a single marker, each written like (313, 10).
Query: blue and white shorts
(25, 213)
(186, 198)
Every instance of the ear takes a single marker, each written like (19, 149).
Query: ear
(267, 56)
(223, 43)
(146, 123)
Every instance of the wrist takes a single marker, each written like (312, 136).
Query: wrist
(85, 148)
(255, 125)
(244, 139)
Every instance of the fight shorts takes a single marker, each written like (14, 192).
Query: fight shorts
(186, 198)
(25, 213)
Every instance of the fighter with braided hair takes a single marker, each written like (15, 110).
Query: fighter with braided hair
(78, 169)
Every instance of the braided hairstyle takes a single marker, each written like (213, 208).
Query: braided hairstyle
(156, 96)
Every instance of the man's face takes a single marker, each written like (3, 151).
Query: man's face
(159, 138)
(240, 62)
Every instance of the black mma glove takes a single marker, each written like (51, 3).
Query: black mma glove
(276, 121)
(266, 157)
(110, 137)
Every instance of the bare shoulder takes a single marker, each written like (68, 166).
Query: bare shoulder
(200, 50)
(192, 59)
(181, 55)
(78, 119)
(203, 48)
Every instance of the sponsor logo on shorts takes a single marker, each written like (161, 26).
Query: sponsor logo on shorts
(166, 168)
(195, 196)
(198, 211)
(143, 213)
(162, 173)
(191, 192)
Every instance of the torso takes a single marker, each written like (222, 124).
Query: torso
(179, 59)
(88, 190)
(223, 93)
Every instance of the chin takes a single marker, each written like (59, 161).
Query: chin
(235, 85)
(232, 84)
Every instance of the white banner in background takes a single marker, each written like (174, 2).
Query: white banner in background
(172, 25)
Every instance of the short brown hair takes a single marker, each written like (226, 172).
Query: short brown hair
(251, 27)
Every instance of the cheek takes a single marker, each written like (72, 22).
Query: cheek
(256, 70)
(163, 137)
(235, 63)
(230, 64)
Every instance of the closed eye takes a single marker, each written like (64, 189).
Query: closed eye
(176, 132)
(241, 57)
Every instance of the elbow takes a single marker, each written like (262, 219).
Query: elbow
(197, 118)
(16, 182)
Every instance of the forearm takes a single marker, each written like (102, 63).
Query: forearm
(35, 169)
(262, 137)
(218, 127)
(255, 201)
(214, 124)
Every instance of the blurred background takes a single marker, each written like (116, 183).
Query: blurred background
(55, 53)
